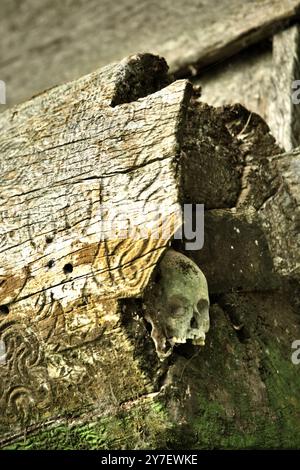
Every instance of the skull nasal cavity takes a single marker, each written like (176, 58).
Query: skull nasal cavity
(193, 323)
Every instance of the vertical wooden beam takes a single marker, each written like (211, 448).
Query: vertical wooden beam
(284, 109)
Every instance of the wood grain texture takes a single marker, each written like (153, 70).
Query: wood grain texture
(244, 79)
(44, 44)
(283, 113)
(107, 147)
(66, 158)
(72, 160)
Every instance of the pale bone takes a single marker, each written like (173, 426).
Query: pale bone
(177, 303)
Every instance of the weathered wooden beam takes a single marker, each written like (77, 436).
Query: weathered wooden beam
(75, 162)
(264, 79)
(70, 39)
(69, 159)
(284, 109)
(243, 78)
(243, 24)
(271, 185)
(280, 215)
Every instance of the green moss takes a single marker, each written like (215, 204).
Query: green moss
(142, 426)
(277, 426)
(249, 399)
(284, 394)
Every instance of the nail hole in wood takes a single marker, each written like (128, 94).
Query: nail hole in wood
(4, 309)
(68, 268)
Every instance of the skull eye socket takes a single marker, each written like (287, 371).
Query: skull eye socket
(202, 304)
(176, 306)
(178, 311)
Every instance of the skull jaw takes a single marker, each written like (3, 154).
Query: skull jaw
(197, 340)
(192, 325)
(161, 341)
(167, 334)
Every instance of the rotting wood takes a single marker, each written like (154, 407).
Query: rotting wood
(280, 215)
(254, 244)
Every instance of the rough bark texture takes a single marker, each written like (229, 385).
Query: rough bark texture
(78, 349)
(44, 44)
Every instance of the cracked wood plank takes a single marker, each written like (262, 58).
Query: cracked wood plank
(76, 162)
(69, 160)
(44, 46)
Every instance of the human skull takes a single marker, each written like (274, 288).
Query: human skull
(177, 304)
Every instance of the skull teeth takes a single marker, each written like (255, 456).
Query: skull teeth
(199, 341)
